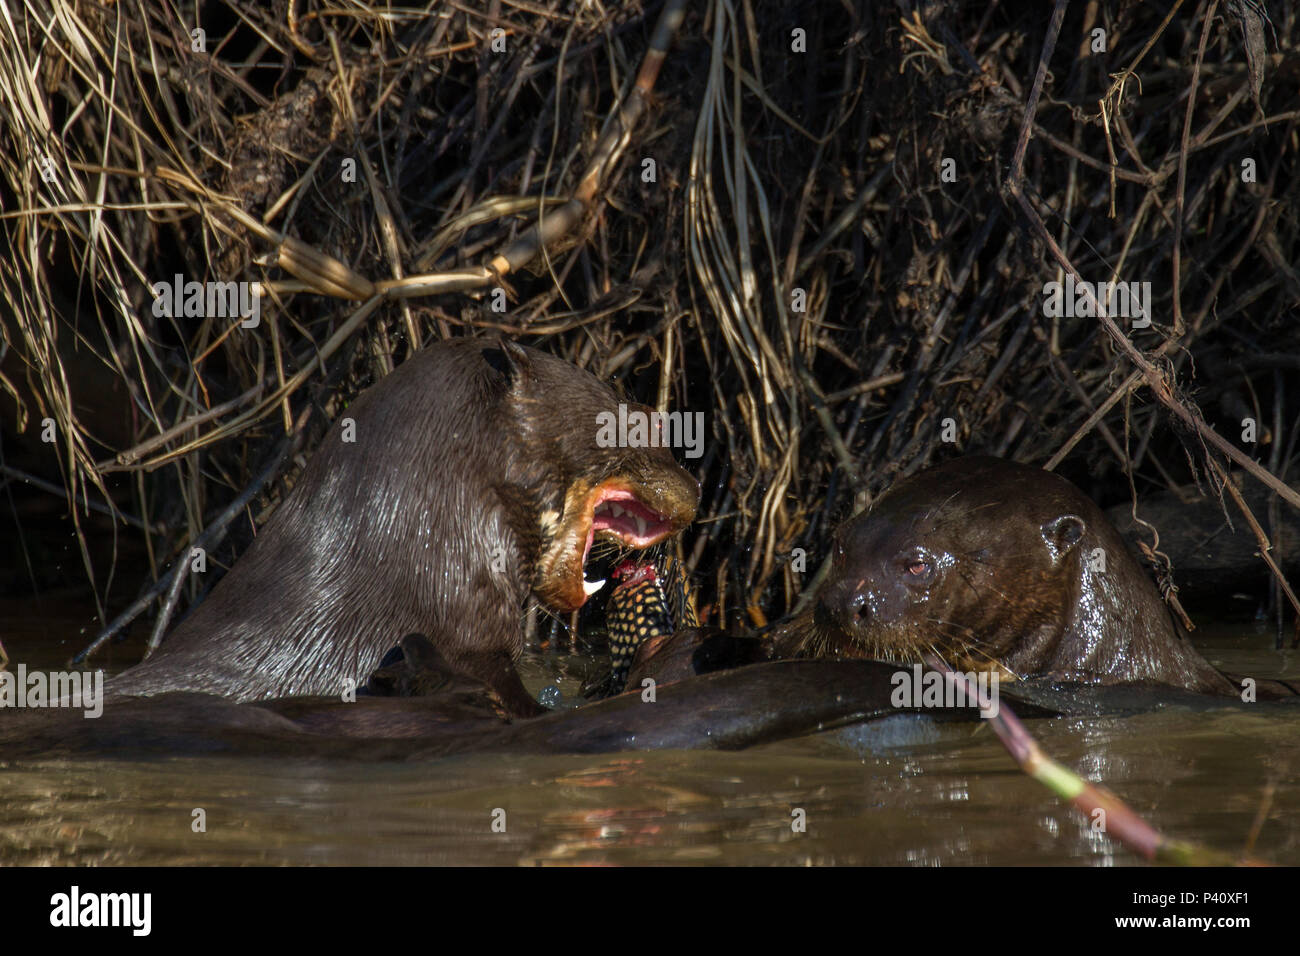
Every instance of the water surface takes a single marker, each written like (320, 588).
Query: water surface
(905, 791)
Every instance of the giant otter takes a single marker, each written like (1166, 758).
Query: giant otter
(453, 714)
(995, 564)
(469, 477)
(727, 710)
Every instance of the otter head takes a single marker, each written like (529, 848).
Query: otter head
(631, 494)
(968, 569)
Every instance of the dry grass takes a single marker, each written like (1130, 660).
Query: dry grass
(782, 177)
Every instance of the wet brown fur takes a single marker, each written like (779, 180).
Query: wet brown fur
(461, 494)
(1013, 585)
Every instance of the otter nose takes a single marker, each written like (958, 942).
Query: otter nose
(848, 605)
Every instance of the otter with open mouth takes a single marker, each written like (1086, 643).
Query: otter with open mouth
(442, 497)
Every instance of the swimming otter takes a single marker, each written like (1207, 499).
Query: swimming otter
(420, 707)
(727, 710)
(469, 477)
(988, 562)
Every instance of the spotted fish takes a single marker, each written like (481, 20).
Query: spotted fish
(645, 603)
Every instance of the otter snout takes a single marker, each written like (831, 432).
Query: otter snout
(848, 603)
(865, 596)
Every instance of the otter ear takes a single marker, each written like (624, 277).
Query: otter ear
(513, 362)
(1061, 534)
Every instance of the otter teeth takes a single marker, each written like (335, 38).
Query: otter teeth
(591, 587)
(640, 526)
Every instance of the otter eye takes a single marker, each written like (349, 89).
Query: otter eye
(917, 568)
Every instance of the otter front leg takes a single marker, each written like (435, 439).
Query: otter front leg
(499, 673)
(425, 664)
(506, 682)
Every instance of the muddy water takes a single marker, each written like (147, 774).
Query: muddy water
(902, 791)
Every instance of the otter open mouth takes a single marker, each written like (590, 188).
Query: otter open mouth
(623, 518)
(615, 512)
(623, 515)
